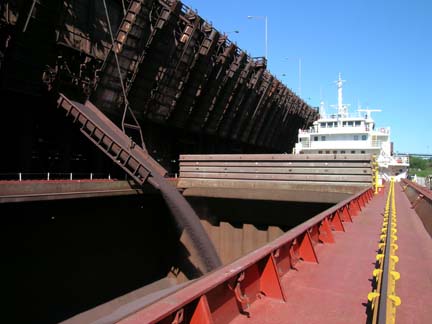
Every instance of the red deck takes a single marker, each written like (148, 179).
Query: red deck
(334, 290)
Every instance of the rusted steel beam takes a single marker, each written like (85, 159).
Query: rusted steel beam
(155, 60)
(130, 41)
(275, 157)
(265, 95)
(421, 201)
(267, 176)
(277, 164)
(198, 78)
(228, 292)
(271, 105)
(251, 101)
(25, 191)
(235, 102)
(137, 162)
(281, 177)
(184, 170)
(222, 81)
(275, 193)
(422, 190)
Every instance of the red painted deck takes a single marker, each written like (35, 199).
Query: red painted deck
(262, 287)
(335, 290)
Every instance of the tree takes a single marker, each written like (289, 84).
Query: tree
(418, 163)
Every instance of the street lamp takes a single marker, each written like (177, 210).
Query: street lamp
(266, 39)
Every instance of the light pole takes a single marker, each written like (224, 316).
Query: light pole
(266, 35)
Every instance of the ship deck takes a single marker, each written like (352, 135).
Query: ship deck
(263, 288)
(335, 290)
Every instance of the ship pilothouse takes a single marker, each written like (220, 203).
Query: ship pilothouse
(342, 133)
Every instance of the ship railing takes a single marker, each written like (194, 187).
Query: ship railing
(231, 290)
(376, 143)
(344, 129)
(420, 198)
(52, 176)
(340, 145)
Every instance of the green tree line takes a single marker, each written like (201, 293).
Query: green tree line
(420, 167)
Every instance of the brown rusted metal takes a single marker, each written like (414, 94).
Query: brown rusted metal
(230, 290)
(25, 191)
(133, 159)
(421, 201)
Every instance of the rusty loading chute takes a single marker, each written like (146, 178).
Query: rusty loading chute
(133, 159)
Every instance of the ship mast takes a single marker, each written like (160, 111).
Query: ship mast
(342, 109)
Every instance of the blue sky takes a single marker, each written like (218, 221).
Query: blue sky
(382, 48)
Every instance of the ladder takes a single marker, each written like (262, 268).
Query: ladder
(102, 132)
(135, 160)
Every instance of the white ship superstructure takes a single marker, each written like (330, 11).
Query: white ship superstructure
(343, 133)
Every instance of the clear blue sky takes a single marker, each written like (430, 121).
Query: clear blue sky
(382, 48)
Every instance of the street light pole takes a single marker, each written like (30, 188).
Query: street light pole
(266, 32)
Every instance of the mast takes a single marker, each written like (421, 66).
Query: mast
(342, 109)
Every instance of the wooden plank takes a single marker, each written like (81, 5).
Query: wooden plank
(277, 157)
(281, 177)
(268, 170)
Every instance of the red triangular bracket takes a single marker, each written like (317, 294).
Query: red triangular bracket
(306, 250)
(354, 207)
(270, 284)
(336, 223)
(362, 200)
(202, 314)
(346, 216)
(326, 234)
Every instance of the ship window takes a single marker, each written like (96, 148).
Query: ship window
(323, 125)
(315, 138)
(362, 152)
(342, 152)
(334, 152)
(319, 152)
(330, 125)
(322, 138)
(327, 152)
(355, 137)
(350, 123)
(352, 152)
(344, 123)
(363, 137)
(357, 123)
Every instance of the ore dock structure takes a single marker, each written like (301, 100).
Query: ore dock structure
(145, 179)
